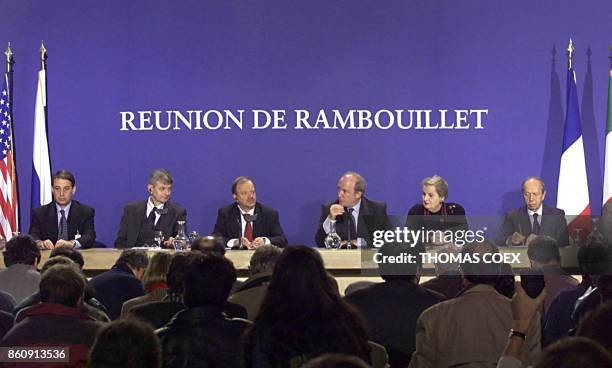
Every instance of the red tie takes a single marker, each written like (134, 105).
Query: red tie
(248, 231)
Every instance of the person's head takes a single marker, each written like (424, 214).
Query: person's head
(71, 253)
(435, 191)
(176, 273)
(209, 244)
(160, 186)
(406, 262)
(543, 251)
(595, 258)
(574, 352)
(62, 284)
(208, 280)
(157, 269)
(264, 259)
(596, 325)
(534, 192)
(135, 259)
(452, 251)
(57, 260)
(336, 361)
(243, 192)
(126, 343)
(64, 187)
(478, 271)
(505, 282)
(351, 188)
(21, 249)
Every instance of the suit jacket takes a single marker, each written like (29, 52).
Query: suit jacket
(372, 217)
(470, 331)
(116, 286)
(228, 225)
(44, 223)
(134, 214)
(552, 224)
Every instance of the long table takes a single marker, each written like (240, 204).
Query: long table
(342, 263)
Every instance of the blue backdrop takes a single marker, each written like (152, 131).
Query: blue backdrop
(109, 56)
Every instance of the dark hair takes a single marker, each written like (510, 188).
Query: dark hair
(574, 352)
(596, 325)
(209, 244)
(301, 297)
(505, 282)
(336, 361)
(134, 258)
(21, 249)
(62, 284)
(57, 260)
(176, 273)
(404, 270)
(208, 280)
(71, 253)
(64, 174)
(126, 343)
(544, 249)
(477, 271)
(595, 258)
(264, 258)
(239, 180)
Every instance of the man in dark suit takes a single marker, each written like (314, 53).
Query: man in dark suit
(141, 219)
(63, 222)
(391, 308)
(535, 218)
(248, 223)
(352, 214)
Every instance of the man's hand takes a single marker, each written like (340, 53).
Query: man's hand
(258, 242)
(524, 307)
(245, 242)
(65, 243)
(335, 210)
(530, 239)
(45, 244)
(517, 238)
(169, 243)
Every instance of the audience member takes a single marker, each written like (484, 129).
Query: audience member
(451, 333)
(391, 308)
(202, 335)
(58, 320)
(209, 243)
(154, 281)
(6, 323)
(251, 293)
(574, 352)
(544, 255)
(598, 326)
(448, 280)
(122, 282)
(125, 344)
(21, 257)
(593, 259)
(505, 282)
(7, 302)
(302, 316)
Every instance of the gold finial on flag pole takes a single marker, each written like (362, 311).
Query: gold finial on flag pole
(43, 56)
(570, 52)
(9, 58)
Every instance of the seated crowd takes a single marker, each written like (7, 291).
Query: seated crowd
(188, 309)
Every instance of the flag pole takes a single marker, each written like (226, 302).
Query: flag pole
(570, 52)
(9, 81)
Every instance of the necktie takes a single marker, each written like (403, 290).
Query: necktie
(351, 224)
(536, 225)
(248, 228)
(151, 217)
(63, 226)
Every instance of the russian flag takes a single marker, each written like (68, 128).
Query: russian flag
(41, 166)
(573, 190)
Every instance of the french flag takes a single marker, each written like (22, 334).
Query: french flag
(573, 190)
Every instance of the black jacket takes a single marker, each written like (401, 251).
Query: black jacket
(202, 337)
(44, 223)
(116, 286)
(134, 214)
(266, 224)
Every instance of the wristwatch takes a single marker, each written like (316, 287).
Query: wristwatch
(517, 334)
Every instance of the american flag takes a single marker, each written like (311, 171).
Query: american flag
(8, 181)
